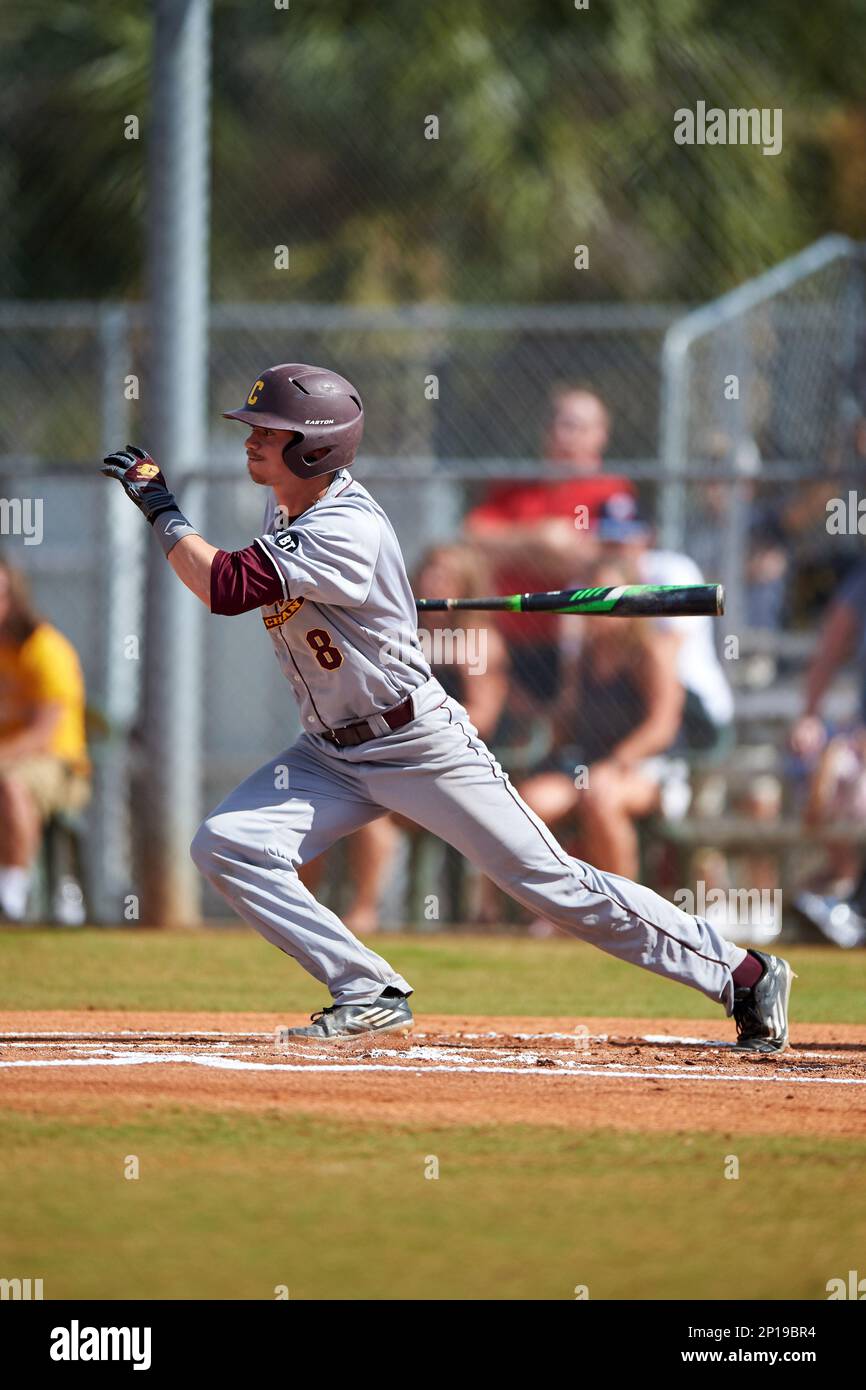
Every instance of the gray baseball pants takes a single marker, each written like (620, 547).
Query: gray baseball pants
(438, 773)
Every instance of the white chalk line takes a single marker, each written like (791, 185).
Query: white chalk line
(134, 1034)
(101, 1043)
(576, 1038)
(574, 1070)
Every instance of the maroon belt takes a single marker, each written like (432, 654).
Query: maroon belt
(350, 735)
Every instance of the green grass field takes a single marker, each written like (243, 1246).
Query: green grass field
(233, 969)
(236, 1204)
(231, 1206)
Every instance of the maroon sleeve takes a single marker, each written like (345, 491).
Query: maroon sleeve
(241, 580)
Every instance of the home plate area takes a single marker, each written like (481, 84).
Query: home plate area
(580, 1074)
(513, 1047)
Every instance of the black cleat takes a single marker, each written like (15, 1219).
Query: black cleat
(761, 1013)
(387, 1014)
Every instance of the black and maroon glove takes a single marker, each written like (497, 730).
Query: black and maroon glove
(142, 481)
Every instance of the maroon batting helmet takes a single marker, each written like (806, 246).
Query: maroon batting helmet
(322, 408)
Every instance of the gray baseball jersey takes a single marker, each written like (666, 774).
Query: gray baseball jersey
(341, 615)
(345, 630)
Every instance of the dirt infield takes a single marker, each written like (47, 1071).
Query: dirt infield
(628, 1074)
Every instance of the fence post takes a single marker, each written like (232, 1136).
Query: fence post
(175, 409)
(119, 602)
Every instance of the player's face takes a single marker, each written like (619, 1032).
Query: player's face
(265, 454)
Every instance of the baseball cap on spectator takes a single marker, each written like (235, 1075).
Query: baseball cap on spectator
(619, 521)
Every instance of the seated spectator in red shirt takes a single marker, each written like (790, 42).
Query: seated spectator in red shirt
(537, 534)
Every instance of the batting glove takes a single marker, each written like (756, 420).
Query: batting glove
(142, 481)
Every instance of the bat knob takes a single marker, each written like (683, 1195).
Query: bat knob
(720, 599)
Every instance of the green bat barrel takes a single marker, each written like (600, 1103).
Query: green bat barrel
(624, 600)
(632, 600)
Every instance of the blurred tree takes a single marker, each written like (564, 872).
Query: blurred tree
(69, 75)
(555, 129)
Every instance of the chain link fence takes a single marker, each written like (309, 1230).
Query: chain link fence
(459, 207)
(456, 400)
(763, 417)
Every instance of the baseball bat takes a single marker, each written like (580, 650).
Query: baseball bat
(622, 600)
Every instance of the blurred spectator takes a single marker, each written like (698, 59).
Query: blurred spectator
(536, 534)
(767, 558)
(468, 655)
(708, 719)
(793, 564)
(44, 767)
(839, 785)
(623, 695)
(837, 791)
(625, 540)
(842, 637)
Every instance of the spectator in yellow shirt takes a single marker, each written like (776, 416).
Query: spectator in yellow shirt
(44, 767)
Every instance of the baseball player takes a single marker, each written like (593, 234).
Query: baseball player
(380, 734)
